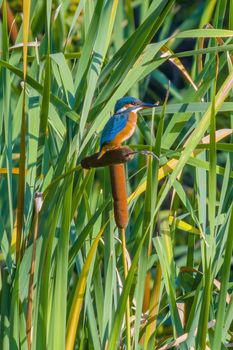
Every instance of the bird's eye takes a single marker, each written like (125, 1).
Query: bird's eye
(136, 103)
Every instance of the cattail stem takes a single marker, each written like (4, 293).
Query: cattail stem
(125, 266)
(115, 159)
(119, 194)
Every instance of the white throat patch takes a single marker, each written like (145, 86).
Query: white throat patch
(134, 110)
(121, 110)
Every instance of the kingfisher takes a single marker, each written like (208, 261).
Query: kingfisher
(122, 124)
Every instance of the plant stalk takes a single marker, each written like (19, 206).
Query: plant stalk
(125, 266)
(38, 204)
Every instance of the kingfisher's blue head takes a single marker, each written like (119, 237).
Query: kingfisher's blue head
(129, 102)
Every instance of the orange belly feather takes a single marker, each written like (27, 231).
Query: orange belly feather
(128, 130)
(123, 135)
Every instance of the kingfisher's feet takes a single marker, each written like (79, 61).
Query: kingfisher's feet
(147, 153)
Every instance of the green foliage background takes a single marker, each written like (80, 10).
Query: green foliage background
(82, 56)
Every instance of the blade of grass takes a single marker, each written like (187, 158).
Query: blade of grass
(61, 105)
(22, 161)
(115, 332)
(209, 253)
(125, 267)
(74, 315)
(205, 33)
(38, 204)
(171, 164)
(153, 309)
(142, 295)
(150, 331)
(5, 80)
(184, 226)
(58, 320)
(218, 333)
(166, 52)
(107, 19)
(196, 136)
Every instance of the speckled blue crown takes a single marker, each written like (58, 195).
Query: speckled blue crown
(125, 101)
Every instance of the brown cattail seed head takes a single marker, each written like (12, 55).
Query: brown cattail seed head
(115, 156)
(118, 183)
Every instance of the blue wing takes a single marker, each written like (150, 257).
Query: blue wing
(115, 124)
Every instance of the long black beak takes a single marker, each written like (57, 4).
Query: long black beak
(148, 105)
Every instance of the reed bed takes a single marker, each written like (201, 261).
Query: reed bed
(70, 279)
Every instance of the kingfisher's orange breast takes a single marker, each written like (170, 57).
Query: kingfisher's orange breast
(128, 130)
